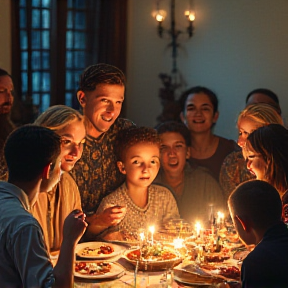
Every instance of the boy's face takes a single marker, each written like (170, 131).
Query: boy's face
(101, 107)
(173, 152)
(141, 164)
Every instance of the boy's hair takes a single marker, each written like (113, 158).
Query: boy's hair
(58, 116)
(271, 143)
(199, 89)
(100, 74)
(28, 150)
(261, 113)
(258, 201)
(177, 127)
(266, 92)
(132, 136)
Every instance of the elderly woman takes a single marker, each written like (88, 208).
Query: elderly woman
(234, 170)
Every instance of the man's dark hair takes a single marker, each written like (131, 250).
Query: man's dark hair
(264, 91)
(100, 74)
(28, 150)
(177, 127)
(257, 200)
(4, 73)
(199, 89)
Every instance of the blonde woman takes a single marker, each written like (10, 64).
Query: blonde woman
(234, 170)
(53, 207)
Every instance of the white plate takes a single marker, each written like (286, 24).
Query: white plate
(116, 269)
(191, 283)
(95, 245)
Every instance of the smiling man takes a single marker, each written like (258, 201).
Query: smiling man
(101, 95)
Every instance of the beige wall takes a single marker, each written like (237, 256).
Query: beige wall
(5, 35)
(237, 46)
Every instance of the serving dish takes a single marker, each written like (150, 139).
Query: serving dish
(167, 259)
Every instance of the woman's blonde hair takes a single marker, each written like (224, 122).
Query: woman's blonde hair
(262, 114)
(58, 116)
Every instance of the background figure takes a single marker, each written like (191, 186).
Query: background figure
(100, 94)
(234, 169)
(194, 188)
(55, 205)
(262, 95)
(255, 208)
(200, 114)
(146, 204)
(6, 125)
(33, 159)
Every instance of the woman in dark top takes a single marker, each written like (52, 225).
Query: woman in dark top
(200, 114)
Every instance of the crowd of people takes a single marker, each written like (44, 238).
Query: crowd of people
(82, 176)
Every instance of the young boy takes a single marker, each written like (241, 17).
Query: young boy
(138, 159)
(255, 207)
(195, 189)
(33, 159)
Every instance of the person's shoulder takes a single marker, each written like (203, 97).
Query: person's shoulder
(122, 123)
(160, 189)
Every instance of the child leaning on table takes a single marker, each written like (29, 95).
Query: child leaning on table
(146, 203)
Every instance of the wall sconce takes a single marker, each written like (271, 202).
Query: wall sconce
(160, 16)
(172, 82)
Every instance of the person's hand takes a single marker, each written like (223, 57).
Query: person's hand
(111, 216)
(74, 226)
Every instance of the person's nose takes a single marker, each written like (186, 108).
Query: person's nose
(171, 151)
(76, 150)
(110, 107)
(248, 163)
(8, 96)
(241, 141)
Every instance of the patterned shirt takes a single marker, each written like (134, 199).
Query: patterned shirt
(96, 173)
(233, 172)
(161, 207)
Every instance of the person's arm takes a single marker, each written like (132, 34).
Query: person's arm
(74, 227)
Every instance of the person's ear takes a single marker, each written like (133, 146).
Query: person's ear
(81, 98)
(46, 171)
(188, 153)
(244, 223)
(182, 117)
(215, 117)
(121, 167)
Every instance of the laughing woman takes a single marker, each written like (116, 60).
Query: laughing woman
(200, 114)
(266, 154)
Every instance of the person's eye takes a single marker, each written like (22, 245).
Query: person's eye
(104, 100)
(83, 141)
(66, 142)
(135, 162)
(119, 102)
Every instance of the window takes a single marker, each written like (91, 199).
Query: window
(53, 42)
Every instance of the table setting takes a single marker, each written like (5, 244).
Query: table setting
(177, 255)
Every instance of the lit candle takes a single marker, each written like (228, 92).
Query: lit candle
(142, 236)
(152, 230)
(178, 243)
(198, 228)
(220, 218)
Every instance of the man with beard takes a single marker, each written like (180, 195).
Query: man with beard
(6, 125)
